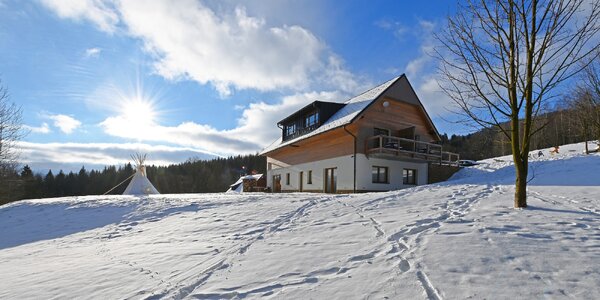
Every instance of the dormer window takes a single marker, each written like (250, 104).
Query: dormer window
(311, 119)
(307, 119)
(290, 129)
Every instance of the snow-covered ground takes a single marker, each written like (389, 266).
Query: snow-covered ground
(457, 240)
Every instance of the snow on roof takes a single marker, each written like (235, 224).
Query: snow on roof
(344, 116)
(238, 187)
(245, 177)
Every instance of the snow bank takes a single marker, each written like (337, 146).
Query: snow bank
(458, 239)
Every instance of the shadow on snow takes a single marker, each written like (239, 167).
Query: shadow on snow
(26, 222)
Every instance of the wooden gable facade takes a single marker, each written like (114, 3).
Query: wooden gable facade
(397, 110)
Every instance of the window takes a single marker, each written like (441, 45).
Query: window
(287, 179)
(311, 119)
(290, 129)
(381, 131)
(409, 176)
(309, 179)
(384, 141)
(380, 174)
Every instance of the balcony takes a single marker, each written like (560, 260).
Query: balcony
(391, 146)
(300, 132)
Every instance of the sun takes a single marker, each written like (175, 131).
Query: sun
(138, 111)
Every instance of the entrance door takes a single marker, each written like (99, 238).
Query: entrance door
(276, 183)
(330, 180)
(300, 186)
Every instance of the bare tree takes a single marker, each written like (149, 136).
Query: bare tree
(500, 61)
(580, 102)
(11, 131)
(590, 100)
(584, 101)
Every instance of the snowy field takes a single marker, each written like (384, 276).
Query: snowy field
(457, 240)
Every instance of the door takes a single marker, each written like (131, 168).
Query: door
(407, 133)
(300, 185)
(276, 183)
(380, 131)
(330, 180)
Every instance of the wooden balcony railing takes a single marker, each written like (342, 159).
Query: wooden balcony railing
(391, 145)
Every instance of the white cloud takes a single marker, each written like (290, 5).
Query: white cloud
(235, 50)
(258, 121)
(340, 79)
(227, 48)
(71, 156)
(98, 12)
(436, 102)
(422, 69)
(92, 52)
(423, 74)
(424, 63)
(65, 123)
(256, 128)
(43, 129)
(427, 26)
(396, 28)
(415, 67)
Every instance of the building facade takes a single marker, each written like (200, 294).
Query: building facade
(380, 140)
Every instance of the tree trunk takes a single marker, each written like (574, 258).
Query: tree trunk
(587, 151)
(521, 186)
(521, 165)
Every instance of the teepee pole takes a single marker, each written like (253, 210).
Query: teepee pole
(119, 184)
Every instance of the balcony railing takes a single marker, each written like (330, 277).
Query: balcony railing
(300, 132)
(402, 147)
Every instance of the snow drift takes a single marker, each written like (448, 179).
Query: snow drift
(458, 239)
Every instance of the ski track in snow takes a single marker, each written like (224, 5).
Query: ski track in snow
(458, 239)
(281, 224)
(409, 239)
(274, 226)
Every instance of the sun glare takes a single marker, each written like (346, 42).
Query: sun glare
(137, 114)
(138, 111)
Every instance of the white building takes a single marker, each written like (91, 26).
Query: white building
(380, 140)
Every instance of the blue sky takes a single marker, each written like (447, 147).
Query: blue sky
(98, 80)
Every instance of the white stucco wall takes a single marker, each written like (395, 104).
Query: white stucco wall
(344, 171)
(364, 177)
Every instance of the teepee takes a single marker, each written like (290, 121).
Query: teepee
(139, 184)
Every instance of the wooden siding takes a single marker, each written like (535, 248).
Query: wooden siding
(337, 142)
(334, 143)
(396, 117)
